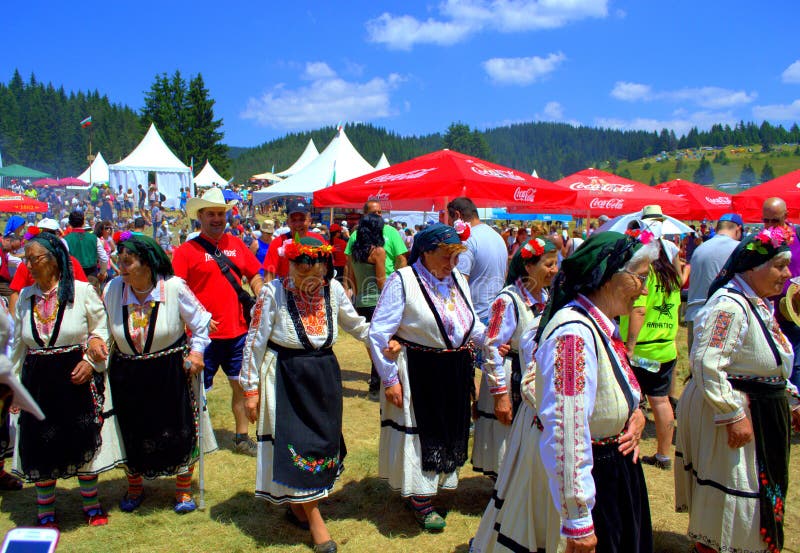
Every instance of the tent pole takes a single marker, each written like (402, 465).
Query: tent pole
(331, 221)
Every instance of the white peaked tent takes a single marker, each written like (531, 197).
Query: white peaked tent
(383, 163)
(308, 155)
(99, 171)
(152, 155)
(208, 176)
(338, 162)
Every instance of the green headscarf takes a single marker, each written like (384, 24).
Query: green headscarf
(429, 239)
(527, 254)
(149, 252)
(751, 252)
(593, 264)
(66, 282)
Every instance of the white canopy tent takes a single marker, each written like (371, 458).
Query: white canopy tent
(337, 163)
(208, 177)
(309, 154)
(383, 163)
(152, 154)
(98, 171)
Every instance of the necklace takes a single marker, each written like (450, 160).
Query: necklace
(145, 291)
(140, 316)
(45, 302)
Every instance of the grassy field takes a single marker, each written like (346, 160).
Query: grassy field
(362, 513)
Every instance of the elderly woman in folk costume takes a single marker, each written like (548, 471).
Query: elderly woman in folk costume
(149, 310)
(735, 413)
(293, 385)
(515, 311)
(578, 429)
(60, 349)
(425, 410)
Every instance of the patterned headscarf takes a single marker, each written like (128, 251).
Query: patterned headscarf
(66, 280)
(751, 252)
(148, 251)
(531, 252)
(593, 264)
(429, 239)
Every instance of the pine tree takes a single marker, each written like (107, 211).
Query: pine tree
(203, 139)
(748, 175)
(767, 173)
(704, 173)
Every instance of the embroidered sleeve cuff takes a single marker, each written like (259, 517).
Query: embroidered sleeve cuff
(251, 393)
(389, 382)
(728, 418)
(497, 390)
(577, 527)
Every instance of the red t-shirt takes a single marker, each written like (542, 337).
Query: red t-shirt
(200, 271)
(23, 278)
(276, 264)
(339, 258)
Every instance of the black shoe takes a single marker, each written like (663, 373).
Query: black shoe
(656, 462)
(327, 547)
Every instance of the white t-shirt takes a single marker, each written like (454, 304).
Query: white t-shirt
(485, 263)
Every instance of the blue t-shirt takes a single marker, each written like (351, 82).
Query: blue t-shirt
(485, 263)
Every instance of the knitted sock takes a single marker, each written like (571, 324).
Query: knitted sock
(421, 504)
(89, 498)
(135, 485)
(183, 484)
(46, 499)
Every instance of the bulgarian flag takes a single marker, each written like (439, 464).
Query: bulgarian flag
(86, 122)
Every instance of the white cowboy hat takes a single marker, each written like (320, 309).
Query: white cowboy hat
(211, 198)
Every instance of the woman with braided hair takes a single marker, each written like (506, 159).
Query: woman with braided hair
(149, 310)
(60, 335)
(515, 312)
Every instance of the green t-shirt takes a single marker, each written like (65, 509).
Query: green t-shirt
(392, 243)
(656, 340)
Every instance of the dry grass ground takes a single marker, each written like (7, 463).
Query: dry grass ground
(362, 513)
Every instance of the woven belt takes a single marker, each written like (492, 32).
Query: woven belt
(418, 347)
(52, 351)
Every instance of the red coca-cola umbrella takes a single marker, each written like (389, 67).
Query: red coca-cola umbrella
(704, 202)
(601, 193)
(748, 202)
(12, 202)
(429, 182)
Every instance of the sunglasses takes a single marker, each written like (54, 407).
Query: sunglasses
(767, 221)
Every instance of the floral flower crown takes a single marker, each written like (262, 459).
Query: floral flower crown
(643, 236)
(533, 247)
(292, 249)
(462, 229)
(121, 236)
(776, 236)
(32, 231)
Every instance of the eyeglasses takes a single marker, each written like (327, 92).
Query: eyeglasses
(642, 278)
(36, 259)
(774, 221)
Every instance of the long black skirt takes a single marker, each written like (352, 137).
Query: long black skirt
(621, 513)
(156, 411)
(309, 446)
(69, 436)
(441, 384)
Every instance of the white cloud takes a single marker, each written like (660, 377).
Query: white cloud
(681, 122)
(325, 100)
(462, 18)
(631, 92)
(521, 70)
(792, 73)
(710, 97)
(553, 110)
(778, 112)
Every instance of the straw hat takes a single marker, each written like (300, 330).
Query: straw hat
(211, 198)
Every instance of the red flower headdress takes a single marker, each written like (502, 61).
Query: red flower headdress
(462, 229)
(533, 247)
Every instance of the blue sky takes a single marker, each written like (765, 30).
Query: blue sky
(415, 67)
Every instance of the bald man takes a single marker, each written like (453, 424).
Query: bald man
(773, 214)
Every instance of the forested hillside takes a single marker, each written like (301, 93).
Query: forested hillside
(40, 127)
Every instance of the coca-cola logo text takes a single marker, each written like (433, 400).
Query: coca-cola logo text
(485, 171)
(610, 203)
(599, 185)
(719, 200)
(379, 197)
(389, 177)
(524, 194)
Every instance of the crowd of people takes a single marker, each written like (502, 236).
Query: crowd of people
(570, 334)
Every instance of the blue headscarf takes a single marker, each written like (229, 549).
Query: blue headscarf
(430, 238)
